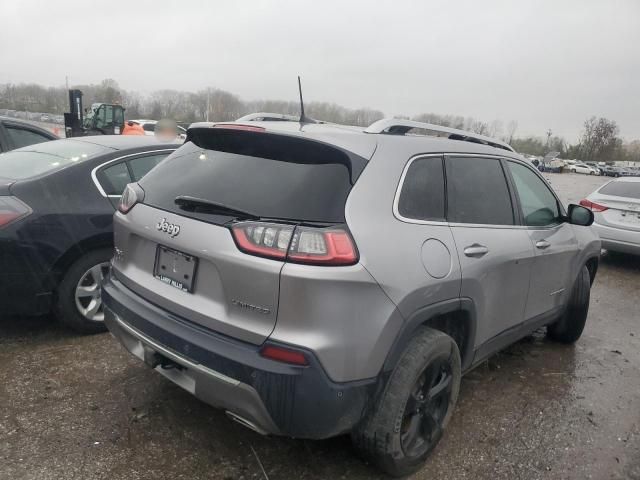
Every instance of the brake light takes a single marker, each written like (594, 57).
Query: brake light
(595, 207)
(132, 195)
(12, 209)
(296, 244)
(281, 354)
(235, 126)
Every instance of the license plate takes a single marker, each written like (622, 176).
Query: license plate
(175, 268)
(630, 218)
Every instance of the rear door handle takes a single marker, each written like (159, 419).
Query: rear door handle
(542, 244)
(476, 250)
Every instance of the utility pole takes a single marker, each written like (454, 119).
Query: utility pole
(549, 132)
(208, 101)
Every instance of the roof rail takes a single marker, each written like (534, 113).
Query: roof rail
(399, 126)
(268, 117)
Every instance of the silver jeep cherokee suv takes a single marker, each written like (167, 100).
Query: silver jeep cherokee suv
(313, 280)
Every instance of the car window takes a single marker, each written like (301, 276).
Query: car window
(114, 178)
(149, 127)
(539, 205)
(422, 194)
(622, 189)
(142, 165)
(477, 191)
(21, 137)
(44, 157)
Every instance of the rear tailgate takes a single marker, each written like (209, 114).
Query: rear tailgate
(275, 177)
(232, 293)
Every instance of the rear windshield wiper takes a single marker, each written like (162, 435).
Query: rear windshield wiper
(207, 206)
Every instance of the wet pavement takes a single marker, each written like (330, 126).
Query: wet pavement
(80, 407)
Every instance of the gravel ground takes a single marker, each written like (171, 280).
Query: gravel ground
(80, 407)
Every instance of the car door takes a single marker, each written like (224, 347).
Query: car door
(495, 253)
(113, 176)
(553, 240)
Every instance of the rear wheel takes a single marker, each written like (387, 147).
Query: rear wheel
(79, 295)
(411, 414)
(570, 326)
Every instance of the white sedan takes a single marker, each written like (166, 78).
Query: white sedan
(582, 168)
(616, 210)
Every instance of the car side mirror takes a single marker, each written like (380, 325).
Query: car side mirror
(579, 215)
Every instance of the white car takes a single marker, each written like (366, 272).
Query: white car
(149, 127)
(616, 210)
(582, 168)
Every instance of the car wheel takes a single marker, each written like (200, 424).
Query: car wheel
(570, 326)
(591, 173)
(411, 413)
(79, 300)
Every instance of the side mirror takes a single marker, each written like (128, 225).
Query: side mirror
(579, 215)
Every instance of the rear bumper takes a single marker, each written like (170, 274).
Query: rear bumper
(618, 240)
(268, 396)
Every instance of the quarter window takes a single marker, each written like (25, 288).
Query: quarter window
(538, 203)
(115, 178)
(422, 194)
(143, 165)
(477, 192)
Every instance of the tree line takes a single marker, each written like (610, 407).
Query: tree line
(600, 139)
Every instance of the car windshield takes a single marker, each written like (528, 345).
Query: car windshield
(44, 157)
(622, 189)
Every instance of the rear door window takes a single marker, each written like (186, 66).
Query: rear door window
(22, 137)
(422, 193)
(271, 176)
(477, 192)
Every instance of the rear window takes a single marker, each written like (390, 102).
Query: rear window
(271, 176)
(622, 189)
(44, 157)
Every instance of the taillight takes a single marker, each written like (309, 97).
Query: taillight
(132, 195)
(595, 207)
(12, 209)
(313, 246)
(284, 355)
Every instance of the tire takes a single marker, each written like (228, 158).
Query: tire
(83, 313)
(395, 434)
(570, 326)
(591, 173)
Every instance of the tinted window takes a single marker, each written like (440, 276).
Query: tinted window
(143, 165)
(477, 191)
(539, 205)
(422, 194)
(23, 138)
(271, 176)
(622, 189)
(149, 127)
(44, 157)
(114, 178)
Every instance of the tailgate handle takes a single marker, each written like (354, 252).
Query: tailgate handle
(476, 250)
(542, 244)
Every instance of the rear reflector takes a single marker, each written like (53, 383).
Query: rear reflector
(595, 207)
(284, 355)
(296, 244)
(12, 209)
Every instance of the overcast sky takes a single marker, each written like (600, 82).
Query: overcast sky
(546, 64)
